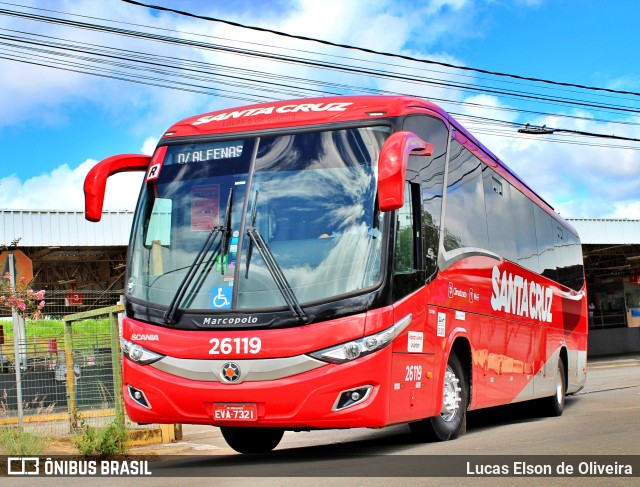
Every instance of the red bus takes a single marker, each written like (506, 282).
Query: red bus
(337, 263)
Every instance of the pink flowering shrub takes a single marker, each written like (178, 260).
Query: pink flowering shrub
(28, 302)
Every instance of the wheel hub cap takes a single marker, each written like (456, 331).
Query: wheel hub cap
(450, 395)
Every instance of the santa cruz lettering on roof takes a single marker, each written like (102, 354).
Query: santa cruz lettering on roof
(252, 112)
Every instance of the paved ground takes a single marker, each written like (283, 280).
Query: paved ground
(207, 440)
(601, 424)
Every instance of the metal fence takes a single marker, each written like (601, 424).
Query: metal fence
(70, 370)
(607, 319)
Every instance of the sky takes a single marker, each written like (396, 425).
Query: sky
(55, 124)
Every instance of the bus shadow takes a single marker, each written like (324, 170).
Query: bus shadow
(345, 458)
(524, 412)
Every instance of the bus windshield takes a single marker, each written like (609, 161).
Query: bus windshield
(305, 203)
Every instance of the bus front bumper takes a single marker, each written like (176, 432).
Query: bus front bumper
(322, 397)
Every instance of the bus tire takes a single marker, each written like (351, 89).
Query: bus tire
(554, 405)
(452, 419)
(252, 440)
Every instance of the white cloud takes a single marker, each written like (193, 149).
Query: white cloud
(36, 95)
(122, 191)
(629, 210)
(487, 106)
(580, 181)
(62, 189)
(42, 96)
(149, 145)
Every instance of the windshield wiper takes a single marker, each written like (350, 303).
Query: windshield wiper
(252, 224)
(219, 230)
(226, 238)
(255, 239)
(276, 272)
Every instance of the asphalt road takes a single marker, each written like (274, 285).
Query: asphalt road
(600, 424)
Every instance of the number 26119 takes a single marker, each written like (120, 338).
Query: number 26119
(227, 346)
(413, 373)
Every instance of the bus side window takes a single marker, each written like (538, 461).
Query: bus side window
(569, 259)
(405, 235)
(526, 240)
(429, 173)
(577, 267)
(408, 268)
(500, 212)
(545, 226)
(465, 221)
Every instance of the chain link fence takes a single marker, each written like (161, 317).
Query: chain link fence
(52, 403)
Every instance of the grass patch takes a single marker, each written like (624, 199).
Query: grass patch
(41, 333)
(55, 328)
(16, 442)
(104, 442)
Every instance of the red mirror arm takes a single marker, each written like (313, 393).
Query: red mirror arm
(96, 181)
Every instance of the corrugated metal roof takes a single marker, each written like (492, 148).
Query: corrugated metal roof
(607, 231)
(46, 228)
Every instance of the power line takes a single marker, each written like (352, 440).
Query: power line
(323, 65)
(534, 130)
(323, 54)
(46, 61)
(165, 67)
(198, 69)
(483, 130)
(379, 53)
(119, 57)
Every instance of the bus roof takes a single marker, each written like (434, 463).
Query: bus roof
(314, 111)
(301, 112)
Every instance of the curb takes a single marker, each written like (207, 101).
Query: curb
(629, 362)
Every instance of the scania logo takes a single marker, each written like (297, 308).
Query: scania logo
(231, 372)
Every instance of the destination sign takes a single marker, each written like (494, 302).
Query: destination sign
(207, 152)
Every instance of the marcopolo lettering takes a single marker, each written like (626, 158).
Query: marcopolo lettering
(252, 112)
(517, 296)
(234, 320)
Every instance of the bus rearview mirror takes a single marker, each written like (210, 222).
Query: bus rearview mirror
(96, 181)
(392, 167)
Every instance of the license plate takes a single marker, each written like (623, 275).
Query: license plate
(235, 412)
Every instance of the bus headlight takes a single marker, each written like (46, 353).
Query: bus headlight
(354, 349)
(137, 353)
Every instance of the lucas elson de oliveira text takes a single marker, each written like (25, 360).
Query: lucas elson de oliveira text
(562, 468)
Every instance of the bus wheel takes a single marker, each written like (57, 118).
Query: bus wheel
(252, 440)
(450, 422)
(554, 405)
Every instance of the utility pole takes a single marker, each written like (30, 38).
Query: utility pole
(19, 337)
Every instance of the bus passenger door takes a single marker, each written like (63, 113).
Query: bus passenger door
(412, 365)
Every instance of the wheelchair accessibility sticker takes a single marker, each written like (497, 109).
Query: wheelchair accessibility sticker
(222, 296)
